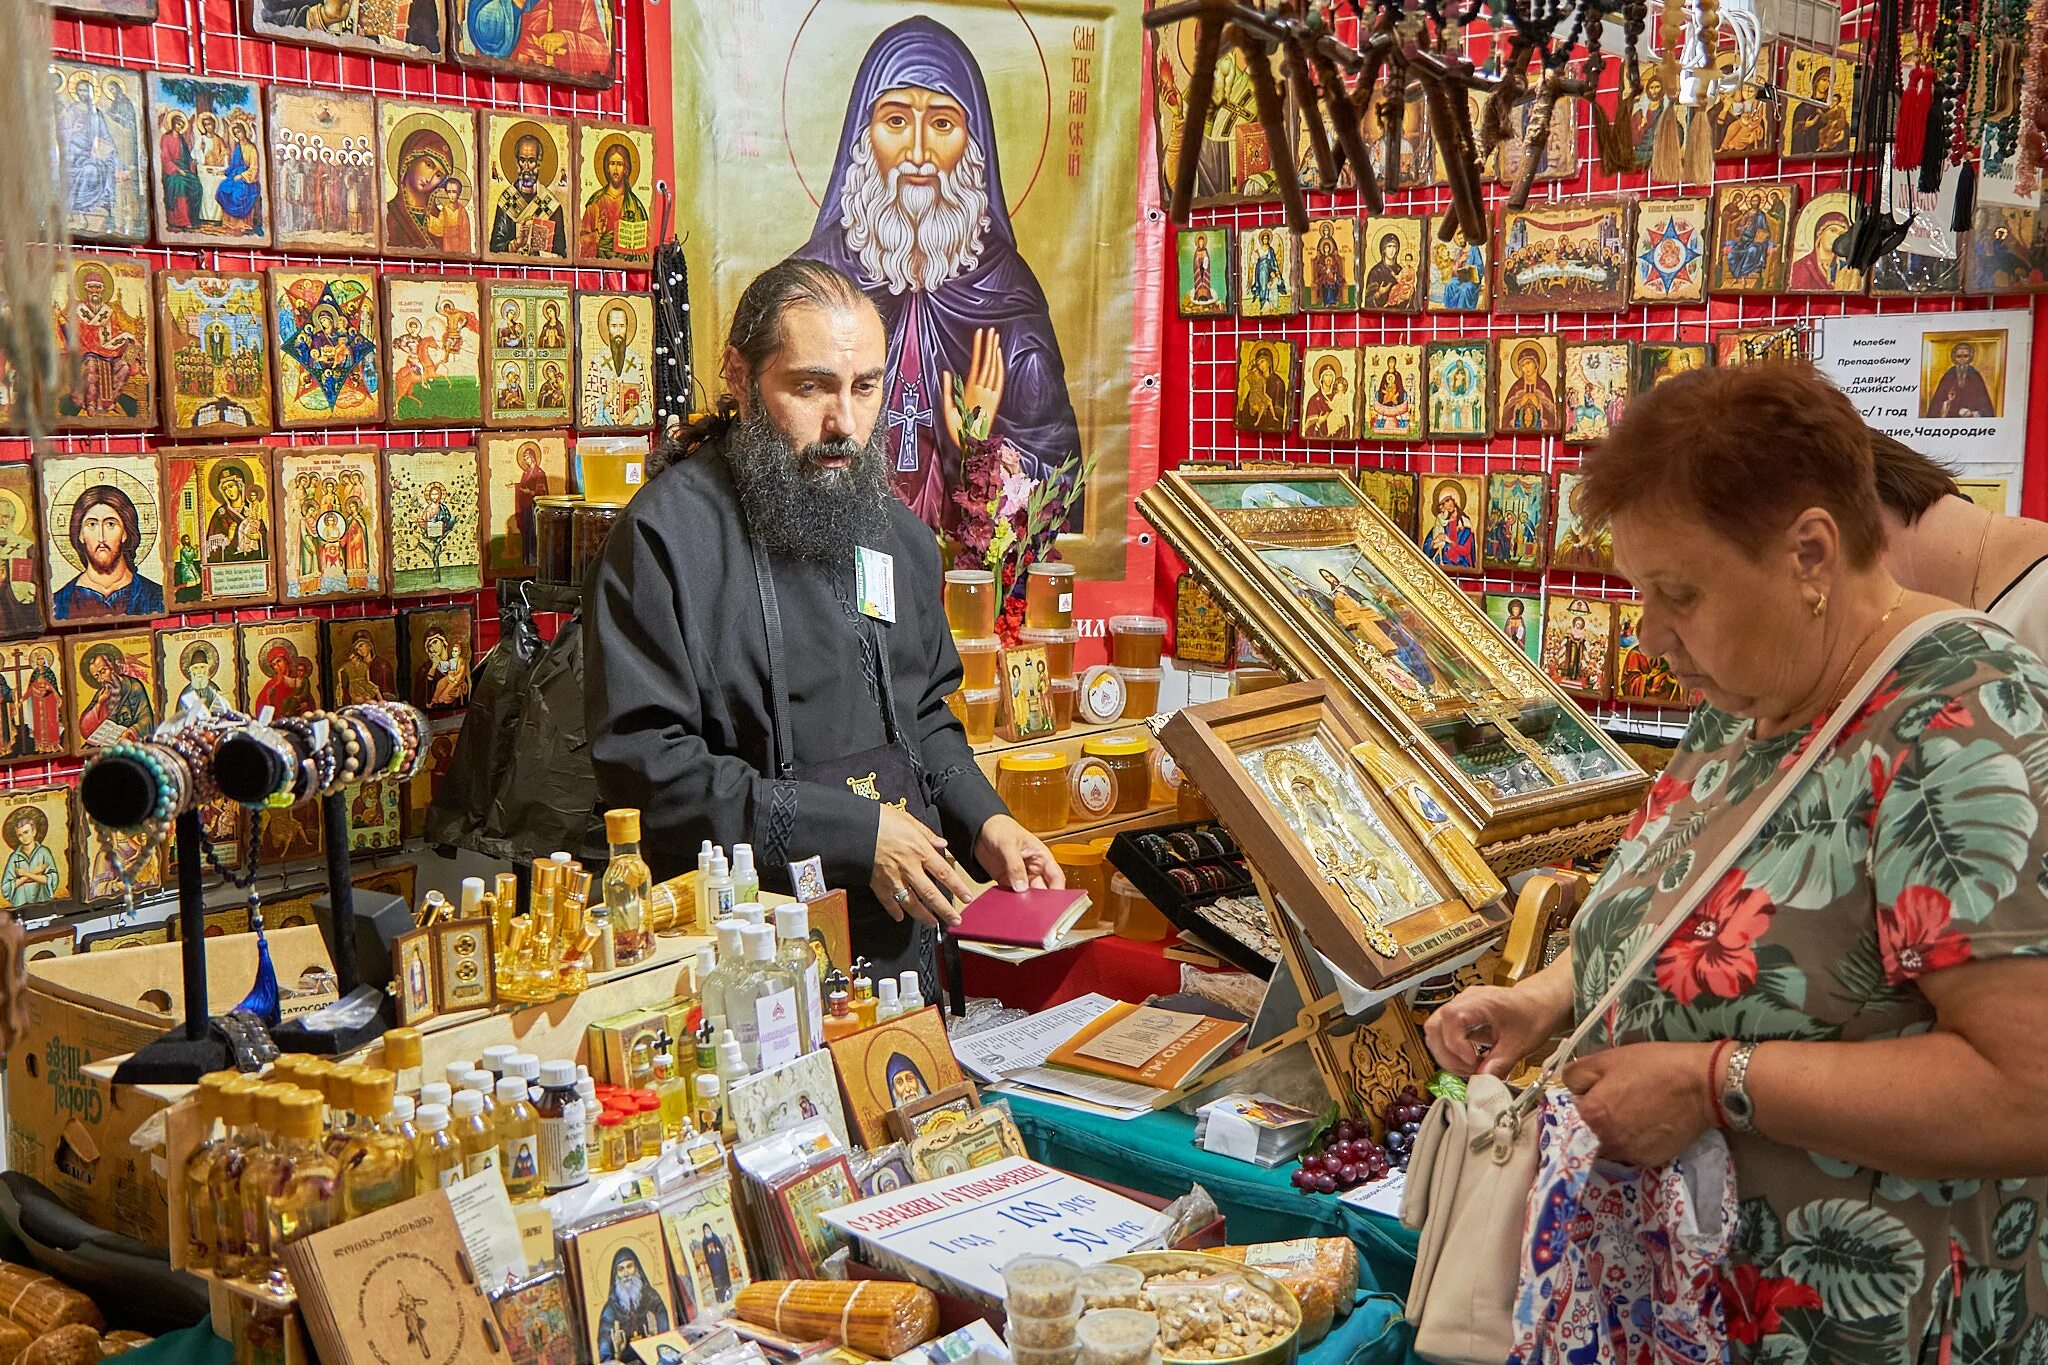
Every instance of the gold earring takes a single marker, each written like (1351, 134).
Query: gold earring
(1820, 606)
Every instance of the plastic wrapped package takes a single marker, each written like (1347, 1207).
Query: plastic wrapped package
(1216, 1317)
(1321, 1272)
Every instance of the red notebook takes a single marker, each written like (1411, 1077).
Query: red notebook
(1022, 919)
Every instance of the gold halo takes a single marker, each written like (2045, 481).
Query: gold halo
(604, 145)
(550, 154)
(458, 146)
(618, 306)
(13, 499)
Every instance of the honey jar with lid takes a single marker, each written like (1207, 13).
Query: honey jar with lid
(1129, 757)
(1033, 784)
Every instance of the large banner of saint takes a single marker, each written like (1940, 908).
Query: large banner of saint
(975, 167)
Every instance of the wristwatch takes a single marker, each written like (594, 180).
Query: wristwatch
(1735, 1102)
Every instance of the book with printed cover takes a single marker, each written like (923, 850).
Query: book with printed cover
(1147, 1045)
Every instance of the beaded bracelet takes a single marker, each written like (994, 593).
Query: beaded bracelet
(173, 781)
(355, 744)
(288, 763)
(316, 760)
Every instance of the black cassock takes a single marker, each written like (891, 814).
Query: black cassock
(677, 694)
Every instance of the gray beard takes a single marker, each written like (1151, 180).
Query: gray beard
(794, 507)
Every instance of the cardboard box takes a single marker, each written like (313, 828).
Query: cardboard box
(70, 1129)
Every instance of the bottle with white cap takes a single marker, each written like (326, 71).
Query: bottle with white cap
(473, 1133)
(763, 1005)
(704, 851)
(483, 1083)
(526, 1067)
(436, 1155)
(493, 1059)
(746, 882)
(456, 1071)
(564, 1150)
(586, 1088)
(732, 1061)
(887, 1004)
(436, 1092)
(909, 994)
(793, 950)
(750, 913)
(718, 896)
(710, 1103)
(470, 905)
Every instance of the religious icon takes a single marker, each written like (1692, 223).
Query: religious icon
(1596, 389)
(120, 11)
(1752, 345)
(34, 720)
(517, 471)
(1657, 361)
(362, 659)
(432, 513)
(281, 666)
(1329, 405)
(1451, 538)
(1517, 502)
(527, 353)
(1640, 677)
(1529, 371)
(104, 177)
(1204, 256)
(436, 656)
(1655, 125)
(1329, 266)
(223, 527)
(568, 42)
(1962, 374)
(35, 829)
(331, 516)
(100, 312)
(21, 554)
(214, 339)
(1578, 645)
(199, 668)
(614, 190)
(1520, 619)
(428, 164)
(410, 30)
(1569, 257)
(615, 338)
(1820, 90)
(373, 817)
(114, 862)
(2008, 252)
(434, 349)
(625, 1284)
(1265, 386)
(1817, 236)
(705, 1245)
(1745, 120)
(1752, 226)
(110, 682)
(1265, 273)
(329, 372)
(416, 801)
(1393, 265)
(1391, 377)
(49, 944)
(1026, 701)
(527, 188)
(100, 537)
(1393, 492)
(1459, 383)
(894, 1063)
(1670, 251)
(1557, 159)
(1460, 272)
(209, 168)
(1575, 543)
(323, 167)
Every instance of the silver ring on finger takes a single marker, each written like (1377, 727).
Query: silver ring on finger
(903, 895)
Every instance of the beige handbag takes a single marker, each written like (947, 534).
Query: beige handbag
(1474, 1162)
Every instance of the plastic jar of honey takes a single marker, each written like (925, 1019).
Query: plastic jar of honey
(1049, 597)
(1141, 691)
(977, 712)
(1101, 699)
(1087, 869)
(970, 603)
(1058, 646)
(978, 656)
(1033, 784)
(1129, 757)
(1094, 788)
(1131, 915)
(1064, 692)
(1136, 641)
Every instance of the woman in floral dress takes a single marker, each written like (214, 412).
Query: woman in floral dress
(1868, 981)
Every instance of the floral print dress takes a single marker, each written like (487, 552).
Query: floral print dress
(1918, 844)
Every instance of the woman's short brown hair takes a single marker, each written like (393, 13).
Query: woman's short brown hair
(1744, 450)
(1908, 482)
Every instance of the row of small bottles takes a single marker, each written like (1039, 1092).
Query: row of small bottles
(550, 951)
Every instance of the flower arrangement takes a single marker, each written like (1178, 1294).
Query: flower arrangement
(1009, 520)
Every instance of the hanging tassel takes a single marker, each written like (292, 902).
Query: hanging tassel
(1966, 198)
(1611, 140)
(263, 999)
(1934, 156)
(1699, 148)
(1916, 102)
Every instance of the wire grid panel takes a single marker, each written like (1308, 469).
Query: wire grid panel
(205, 37)
(1212, 342)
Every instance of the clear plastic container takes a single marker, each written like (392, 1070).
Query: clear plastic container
(1042, 1334)
(978, 656)
(977, 714)
(1058, 1355)
(1166, 777)
(1087, 869)
(1101, 699)
(1064, 693)
(1113, 1286)
(1128, 756)
(1034, 786)
(1118, 1336)
(1136, 641)
(1190, 804)
(1093, 784)
(1141, 691)
(1049, 597)
(1058, 646)
(970, 603)
(1041, 1287)
(1132, 916)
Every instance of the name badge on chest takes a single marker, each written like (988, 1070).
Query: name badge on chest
(874, 579)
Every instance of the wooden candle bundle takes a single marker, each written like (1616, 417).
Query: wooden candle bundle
(42, 1303)
(879, 1317)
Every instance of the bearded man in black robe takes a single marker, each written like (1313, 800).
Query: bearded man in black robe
(773, 571)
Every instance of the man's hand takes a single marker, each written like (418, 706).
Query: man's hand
(1016, 858)
(911, 873)
(981, 395)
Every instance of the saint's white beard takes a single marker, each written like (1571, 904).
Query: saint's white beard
(628, 1295)
(886, 220)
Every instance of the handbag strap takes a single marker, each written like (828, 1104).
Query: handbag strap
(1781, 788)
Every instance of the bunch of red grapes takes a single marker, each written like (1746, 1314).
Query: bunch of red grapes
(1349, 1157)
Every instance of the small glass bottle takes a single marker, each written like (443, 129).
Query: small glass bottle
(718, 896)
(345, 1126)
(518, 1141)
(764, 1005)
(704, 852)
(436, 1155)
(746, 882)
(586, 1090)
(909, 994)
(526, 1067)
(201, 1231)
(626, 880)
(304, 1196)
(611, 1142)
(649, 1116)
(494, 1058)
(793, 950)
(887, 1003)
(403, 1051)
(260, 1175)
(377, 1170)
(403, 1107)
(840, 1021)
(564, 1158)
(485, 1085)
(436, 1092)
(224, 1178)
(473, 1133)
(863, 995)
(672, 1089)
(457, 1073)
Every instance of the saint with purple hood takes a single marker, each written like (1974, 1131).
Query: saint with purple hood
(915, 212)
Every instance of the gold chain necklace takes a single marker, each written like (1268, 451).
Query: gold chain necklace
(1976, 575)
(1843, 681)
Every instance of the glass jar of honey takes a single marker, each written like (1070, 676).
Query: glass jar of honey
(977, 712)
(1129, 758)
(1049, 597)
(970, 603)
(552, 536)
(1058, 646)
(1136, 641)
(590, 525)
(1033, 784)
(978, 661)
(1094, 789)
(1141, 691)
(1064, 691)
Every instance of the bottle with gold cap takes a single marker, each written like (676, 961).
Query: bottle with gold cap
(305, 1196)
(345, 1125)
(224, 1177)
(404, 1052)
(284, 1068)
(313, 1076)
(436, 1155)
(377, 1169)
(200, 1231)
(536, 980)
(261, 1173)
(626, 884)
(504, 899)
